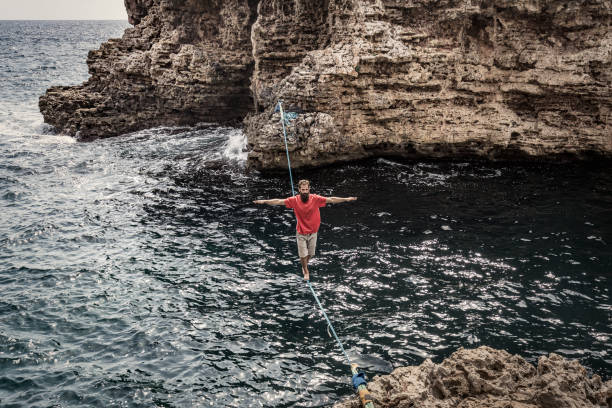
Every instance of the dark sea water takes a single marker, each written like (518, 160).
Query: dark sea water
(135, 272)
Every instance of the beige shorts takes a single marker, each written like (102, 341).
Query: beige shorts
(306, 244)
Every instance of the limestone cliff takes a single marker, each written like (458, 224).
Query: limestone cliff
(184, 62)
(413, 78)
(424, 78)
(489, 378)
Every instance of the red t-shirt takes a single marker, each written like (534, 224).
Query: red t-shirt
(307, 213)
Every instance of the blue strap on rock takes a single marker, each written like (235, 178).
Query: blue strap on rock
(359, 379)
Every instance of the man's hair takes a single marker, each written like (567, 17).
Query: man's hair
(303, 182)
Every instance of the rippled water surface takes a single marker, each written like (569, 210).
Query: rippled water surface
(135, 271)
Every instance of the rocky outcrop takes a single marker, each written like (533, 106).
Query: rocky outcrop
(498, 79)
(502, 79)
(184, 62)
(489, 378)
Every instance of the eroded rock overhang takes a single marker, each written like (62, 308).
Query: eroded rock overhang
(497, 79)
(183, 62)
(500, 80)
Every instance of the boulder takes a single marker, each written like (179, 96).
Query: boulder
(489, 378)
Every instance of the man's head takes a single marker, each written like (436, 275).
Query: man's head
(304, 190)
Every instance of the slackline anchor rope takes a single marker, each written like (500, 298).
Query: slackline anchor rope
(280, 107)
(328, 322)
(359, 380)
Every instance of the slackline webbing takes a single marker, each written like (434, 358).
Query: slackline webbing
(359, 382)
(280, 106)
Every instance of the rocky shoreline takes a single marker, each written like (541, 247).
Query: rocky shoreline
(489, 378)
(505, 79)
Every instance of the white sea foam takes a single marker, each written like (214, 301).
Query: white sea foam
(235, 147)
(55, 139)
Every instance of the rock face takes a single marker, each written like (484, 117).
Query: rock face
(185, 61)
(420, 78)
(488, 378)
(498, 79)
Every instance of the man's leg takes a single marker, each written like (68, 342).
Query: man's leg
(311, 244)
(305, 271)
(303, 254)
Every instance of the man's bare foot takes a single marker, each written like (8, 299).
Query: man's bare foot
(306, 274)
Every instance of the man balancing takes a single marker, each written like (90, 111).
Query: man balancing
(306, 209)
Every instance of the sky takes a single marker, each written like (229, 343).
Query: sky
(62, 10)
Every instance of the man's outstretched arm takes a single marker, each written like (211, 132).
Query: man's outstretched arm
(336, 200)
(272, 201)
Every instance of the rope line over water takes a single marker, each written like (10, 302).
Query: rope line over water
(358, 379)
(280, 107)
(329, 323)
